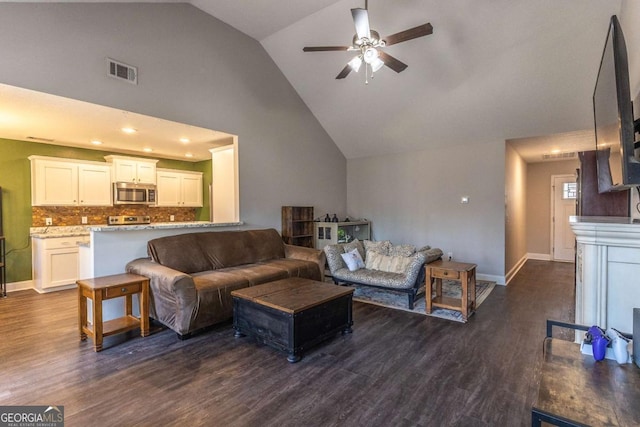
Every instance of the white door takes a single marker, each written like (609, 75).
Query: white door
(563, 205)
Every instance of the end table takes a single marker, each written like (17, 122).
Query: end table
(464, 273)
(103, 288)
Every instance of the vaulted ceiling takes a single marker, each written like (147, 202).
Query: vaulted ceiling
(493, 70)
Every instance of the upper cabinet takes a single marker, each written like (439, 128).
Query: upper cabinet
(179, 188)
(133, 169)
(67, 182)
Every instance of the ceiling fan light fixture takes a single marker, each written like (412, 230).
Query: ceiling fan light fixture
(355, 63)
(376, 64)
(370, 55)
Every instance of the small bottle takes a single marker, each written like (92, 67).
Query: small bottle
(327, 218)
(335, 218)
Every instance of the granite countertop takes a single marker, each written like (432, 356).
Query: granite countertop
(85, 230)
(162, 225)
(52, 232)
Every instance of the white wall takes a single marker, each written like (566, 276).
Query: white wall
(192, 69)
(415, 198)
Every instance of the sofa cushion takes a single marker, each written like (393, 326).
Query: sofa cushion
(181, 252)
(353, 260)
(232, 248)
(215, 303)
(392, 264)
(401, 250)
(355, 244)
(381, 247)
(295, 267)
(257, 273)
(374, 277)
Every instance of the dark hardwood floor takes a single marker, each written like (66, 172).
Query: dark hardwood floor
(395, 369)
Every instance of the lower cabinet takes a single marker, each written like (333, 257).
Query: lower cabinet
(55, 262)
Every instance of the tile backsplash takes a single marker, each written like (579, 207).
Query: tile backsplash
(97, 215)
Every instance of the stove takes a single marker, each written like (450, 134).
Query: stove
(128, 220)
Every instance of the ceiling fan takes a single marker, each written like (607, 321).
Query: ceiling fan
(368, 44)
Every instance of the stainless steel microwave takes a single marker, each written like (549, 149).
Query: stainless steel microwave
(126, 193)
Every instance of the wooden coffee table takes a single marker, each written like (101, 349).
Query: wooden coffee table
(292, 314)
(464, 273)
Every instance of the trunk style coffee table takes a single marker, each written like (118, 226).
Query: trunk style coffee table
(293, 314)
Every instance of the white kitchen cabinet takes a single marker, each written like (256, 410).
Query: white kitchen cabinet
(94, 185)
(179, 188)
(69, 182)
(55, 262)
(133, 169)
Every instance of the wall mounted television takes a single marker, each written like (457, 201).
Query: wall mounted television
(617, 155)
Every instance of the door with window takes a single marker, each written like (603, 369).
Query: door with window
(564, 193)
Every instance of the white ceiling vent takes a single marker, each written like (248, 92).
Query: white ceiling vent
(557, 156)
(120, 70)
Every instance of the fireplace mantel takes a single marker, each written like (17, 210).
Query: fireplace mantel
(607, 271)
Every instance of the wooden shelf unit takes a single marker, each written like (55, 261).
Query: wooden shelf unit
(297, 225)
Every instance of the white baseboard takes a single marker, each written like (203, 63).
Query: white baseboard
(511, 274)
(491, 277)
(19, 286)
(540, 257)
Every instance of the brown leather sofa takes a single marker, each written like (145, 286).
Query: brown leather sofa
(192, 275)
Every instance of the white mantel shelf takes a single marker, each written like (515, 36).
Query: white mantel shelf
(607, 271)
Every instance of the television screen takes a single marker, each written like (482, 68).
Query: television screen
(617, 164)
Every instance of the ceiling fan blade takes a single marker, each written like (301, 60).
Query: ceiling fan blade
(344, 73)
(361, 21)
(410, 34)
(392, 62)
(324, 48)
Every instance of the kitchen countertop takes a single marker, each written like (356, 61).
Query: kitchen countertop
(84, 230)
(54, 232)
(162, 225)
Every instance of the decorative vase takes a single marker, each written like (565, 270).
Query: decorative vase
(335, 218)
(327, 218)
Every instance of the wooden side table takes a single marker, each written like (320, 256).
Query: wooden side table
(464, 273)
(103, 288)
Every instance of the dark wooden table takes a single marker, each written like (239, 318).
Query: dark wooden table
(292, 314)
(575, 390)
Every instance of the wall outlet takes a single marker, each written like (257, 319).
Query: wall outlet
(450, 256)
(48, 221)
(172, 218)
(84, 219)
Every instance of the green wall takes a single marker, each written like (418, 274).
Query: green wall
(15, 180)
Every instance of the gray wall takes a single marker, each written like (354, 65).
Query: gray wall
(192, 69)
(415, 198)
(539, 202)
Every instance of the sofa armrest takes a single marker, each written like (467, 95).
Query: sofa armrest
(173, 293)
(306, 254)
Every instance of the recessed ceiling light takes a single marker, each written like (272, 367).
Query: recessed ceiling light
(555, 151)
(129, 130)
(147, 150)
(96, 142)
(184, 140)
(188, 155)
